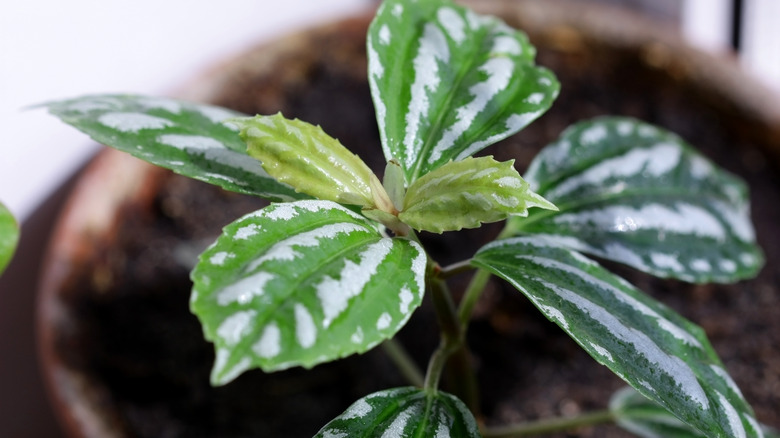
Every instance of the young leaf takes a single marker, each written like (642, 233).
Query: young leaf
(303, 283)
(394, 183)
(403, 412)
(305, 157)
(9, 236)
(659, 353)
(187, 138)
(637, 414)
(634, 193)
(464, 194)
(447, 82)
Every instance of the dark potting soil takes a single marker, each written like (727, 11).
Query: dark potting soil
(137, 337)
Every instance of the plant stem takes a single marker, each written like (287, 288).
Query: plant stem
(452, 348)
(453, 325)
(455, 269)
(549, 425)
(436, 365)
(471, 296)
(404, 362)
(463, 378)
(477, 286)
(452, 335)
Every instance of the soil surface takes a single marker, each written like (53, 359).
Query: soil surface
(137, 337)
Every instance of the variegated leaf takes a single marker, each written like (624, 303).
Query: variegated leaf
(9, 236)
(185, 137)
(637, 194)
(447, 82)
(305, 157)
(467, 193)
(303, 283)
(658, 352)
(637, 414)
(403, 412)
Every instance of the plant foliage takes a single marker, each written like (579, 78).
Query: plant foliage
(659, 353)
(637, 194)
(645, 418)
(404, 412)
(188, 138)
(306, 281)
(447, 82)
(303, 283)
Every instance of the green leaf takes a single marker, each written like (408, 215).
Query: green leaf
(447, 82)
(305, 157)
(188, 138)
(393, 181)
(464, 194)
(659, 353)
(9, 236)
(637, 414)
(303, 283)
(403, 412)
(634, 193)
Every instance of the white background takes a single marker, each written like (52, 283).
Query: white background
(52, 49)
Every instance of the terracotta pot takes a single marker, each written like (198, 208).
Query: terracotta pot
(100, 279)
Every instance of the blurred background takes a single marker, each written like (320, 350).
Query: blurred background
(51, 50)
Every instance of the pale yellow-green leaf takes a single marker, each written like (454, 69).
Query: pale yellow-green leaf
(305, 157)
(394, 183)
(467, 193)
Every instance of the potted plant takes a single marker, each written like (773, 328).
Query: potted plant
(306, 281)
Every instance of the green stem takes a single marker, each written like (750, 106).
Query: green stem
(452, 349)
(452, 335)
(471, 296)
(455, 269)
(477, 286)
(453, 324)
(403, 361)
(462, 378)
(413, 236)
(549, 425)
(435, 367)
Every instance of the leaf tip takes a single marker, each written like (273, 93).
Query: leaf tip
(536, 200)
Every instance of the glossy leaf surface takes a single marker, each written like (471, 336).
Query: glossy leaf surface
(303, 283)
(305, 157)
(645, 418)
(634, 193)
(658, 352)
(467, 193)
(403, 412)
(185, 137)
(447, 82)
(9, 236)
